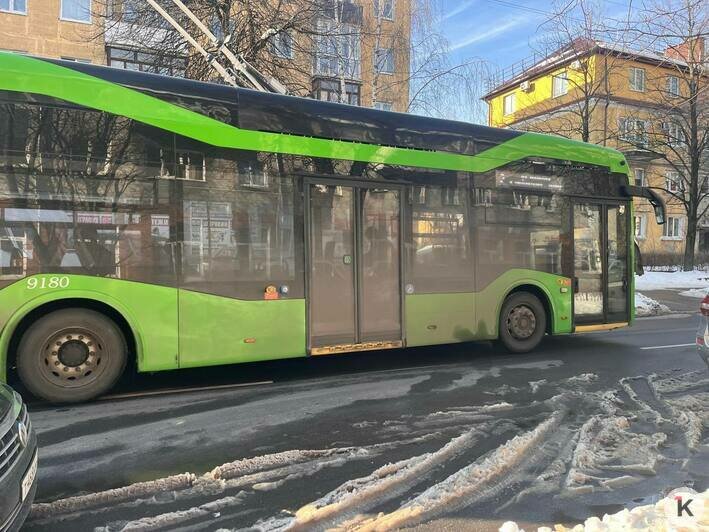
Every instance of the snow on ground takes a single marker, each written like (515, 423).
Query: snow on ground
(655, 280)
(695, 292)
(585, 443)
(646, 306)
(661, 516)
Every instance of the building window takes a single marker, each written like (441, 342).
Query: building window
(672, 228)
(76, 10)
(633, 130)
(145, 61)
(384, 106)
(637, 79)
(639, 174)
(640, 226)
(337, 51)
(672, 181)
(14, 6)
(252, 174)
(384, 9)
(559, 85)
(329, 90)
(384, 60)
(673, 86)
(190, 165)
(282, 45)
(508, 104)
(674, 136)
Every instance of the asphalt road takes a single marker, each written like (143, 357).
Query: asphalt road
(451, 437)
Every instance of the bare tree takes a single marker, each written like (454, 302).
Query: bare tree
(277, 37)
(579, 36)
(675, 123)
(440, 86)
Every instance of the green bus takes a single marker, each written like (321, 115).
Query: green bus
(169, 223)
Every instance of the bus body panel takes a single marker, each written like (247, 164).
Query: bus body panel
(461, 317)
(150, 310)
(556, 288)
(221, 330)
(439, 318)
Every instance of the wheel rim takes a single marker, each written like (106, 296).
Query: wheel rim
(521, 322)
(73, 357)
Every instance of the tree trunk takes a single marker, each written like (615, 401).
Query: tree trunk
(689, 242)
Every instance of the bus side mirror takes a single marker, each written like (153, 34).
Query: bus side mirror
(653, 197)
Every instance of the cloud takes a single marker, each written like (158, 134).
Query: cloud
(487, 35)
(458, 10)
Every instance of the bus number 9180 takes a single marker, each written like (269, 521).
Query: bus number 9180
(40, 283)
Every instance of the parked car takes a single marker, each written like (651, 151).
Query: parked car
(18, 460)
(703, 331)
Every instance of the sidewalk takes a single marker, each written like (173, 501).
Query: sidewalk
(674, 300)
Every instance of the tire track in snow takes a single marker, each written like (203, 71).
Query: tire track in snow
(462, 487)
(260, 472)
(382, 484)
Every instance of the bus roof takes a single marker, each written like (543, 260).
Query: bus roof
(297, 117)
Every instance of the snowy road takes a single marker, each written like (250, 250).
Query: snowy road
(451, 438)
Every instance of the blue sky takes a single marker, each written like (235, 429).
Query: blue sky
(501, 31)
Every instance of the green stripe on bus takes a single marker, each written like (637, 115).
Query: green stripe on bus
(31, 75)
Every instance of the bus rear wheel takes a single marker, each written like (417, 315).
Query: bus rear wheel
(71, 355)
(523, 322)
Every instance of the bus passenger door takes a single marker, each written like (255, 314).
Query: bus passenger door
(601, 273)
(354, 264)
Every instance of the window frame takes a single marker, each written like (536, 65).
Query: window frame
(511, 97)
(640, 229)
(670, 92)
(564, 77)
(384, 59)
(69, 19)
(337, 55)
(379, 6)
(673, 225)
(643, 177)
(383, 106)
(12, 10)
(672, 181)
(633, 78)
(277, 40)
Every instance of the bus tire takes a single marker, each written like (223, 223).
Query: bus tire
(523, 322)
(71, 355)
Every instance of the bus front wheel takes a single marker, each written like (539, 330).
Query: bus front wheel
(523, 322)
(71, 355)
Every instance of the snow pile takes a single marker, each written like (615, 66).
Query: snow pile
(607, 448)
(646, 306)
(663, 280)
(659, 517)
(695, 292)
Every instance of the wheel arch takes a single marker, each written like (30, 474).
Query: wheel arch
(20, 321)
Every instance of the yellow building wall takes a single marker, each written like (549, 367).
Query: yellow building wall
(538, 96)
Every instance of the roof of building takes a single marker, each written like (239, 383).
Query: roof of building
(575, 50)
